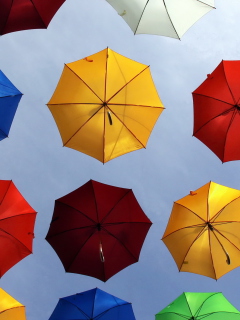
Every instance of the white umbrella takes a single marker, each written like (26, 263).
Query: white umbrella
(170, 18)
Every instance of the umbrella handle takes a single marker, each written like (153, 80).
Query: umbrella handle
(109, 117)
(101, 252)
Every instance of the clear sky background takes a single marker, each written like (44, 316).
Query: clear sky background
(173, 163)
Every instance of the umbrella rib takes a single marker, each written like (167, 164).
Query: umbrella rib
(230, 122)
(225, 239)
(209, 243)
(206, 4)
(116, 204)
(210, 313)
(38, 14)
(7, 17)
(104, 118)
(84, 82)
(220, 211)
(11, 309)
(85, 215)
(171, 20)
(199, 309)
(228, 83)
(121, 244)
(190, 211)
(188, 304)
(4, 231)
(104, 312)
(134, 105)
(10, 182)
(76, 307)
(123, 124)
(141, 17)
(83, 125)
(127, 84)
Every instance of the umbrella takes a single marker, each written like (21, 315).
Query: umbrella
(17, 220)
(199, 305)
(166, 18)
(217, 111)
(203, 232)
(93, 304)
(27, 14)
(10, 309)
(9, 99)
(98, 230)
(105, 105)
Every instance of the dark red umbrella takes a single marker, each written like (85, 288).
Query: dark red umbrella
(16, 15)
(17, 219)
(217, 111)
(98, 230)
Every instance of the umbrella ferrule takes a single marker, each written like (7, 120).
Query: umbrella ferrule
(210, 226)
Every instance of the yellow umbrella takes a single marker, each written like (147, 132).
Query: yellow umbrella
(10, 309)
(105, 105)
(203, 232)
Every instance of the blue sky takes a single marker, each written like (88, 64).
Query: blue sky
(173, 163)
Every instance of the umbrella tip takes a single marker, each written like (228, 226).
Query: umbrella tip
(192, 193)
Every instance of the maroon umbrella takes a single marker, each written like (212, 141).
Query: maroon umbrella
(98, 230)
(16, 15)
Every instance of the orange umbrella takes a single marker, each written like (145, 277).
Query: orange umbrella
(203, 232)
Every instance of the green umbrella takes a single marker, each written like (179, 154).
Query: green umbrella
(196, 306)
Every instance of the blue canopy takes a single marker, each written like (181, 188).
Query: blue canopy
(92, 304)
(9, 100)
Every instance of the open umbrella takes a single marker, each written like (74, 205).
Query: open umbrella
(9, 100)
(105, 105)
(93, 304)
(10, 308)
(203, 232)
(98, 230)
(17, 220)
(199, 305)
(170, 18)
(26, 14)
(217, 111)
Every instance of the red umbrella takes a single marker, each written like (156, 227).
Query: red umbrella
(98, 230)
(16, 15)
(217, 111)
(17, 220)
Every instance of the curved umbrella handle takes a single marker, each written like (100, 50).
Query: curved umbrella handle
(101, 252)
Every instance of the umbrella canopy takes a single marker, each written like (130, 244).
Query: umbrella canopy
(98, 230)
(10, 309)
(203, 232)
(26, 14)
(93, 304)
(170, 18)
(17, 220)
(105, 105)
(199, 305)
(217, 111)
(9, 100)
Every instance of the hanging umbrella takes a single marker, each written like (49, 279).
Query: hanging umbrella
(203, 232)
(9, 100)
(17, 220)
(170, 18)
(199, 305)
(98, 230)
(10, 309)
(217, 111)
(93, 304)
(27, 14)
(105, 105)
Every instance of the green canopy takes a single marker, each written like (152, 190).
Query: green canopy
(197, 305)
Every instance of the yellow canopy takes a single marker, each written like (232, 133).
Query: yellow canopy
(203, 232)
(105, 105)
(10, 309)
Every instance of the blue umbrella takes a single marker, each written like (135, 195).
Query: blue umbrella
(92, 305)
(9, 100)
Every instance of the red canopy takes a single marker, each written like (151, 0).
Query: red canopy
(217, 111)
(98, 230)
(17, 220)
(16, 15)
